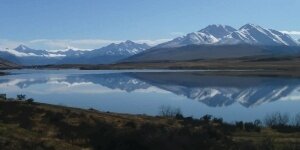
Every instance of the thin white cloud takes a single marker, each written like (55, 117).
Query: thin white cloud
(67, 43)
(177, 34)
(59, 44)
(291, 32)
(152, 42)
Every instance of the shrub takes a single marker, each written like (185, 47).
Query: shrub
(30, 100)
(168, 111)
(240, 125)
(276, 119)
(297, 120)
(206, 118)
(249, 126)
(21, 97)
(179, 116)
(218, 120)
(92, 109)
(3, 96)
(257, 123)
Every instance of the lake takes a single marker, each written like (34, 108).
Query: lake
(145, 91)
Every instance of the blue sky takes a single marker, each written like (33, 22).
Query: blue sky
(94, 23)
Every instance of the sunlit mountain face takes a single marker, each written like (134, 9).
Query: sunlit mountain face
(212, 90)
(223, 34)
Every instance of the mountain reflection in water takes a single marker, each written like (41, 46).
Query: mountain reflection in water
(212, 90)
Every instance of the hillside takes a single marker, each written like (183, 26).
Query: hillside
(43, 126)
(4, 64)
(196, 52)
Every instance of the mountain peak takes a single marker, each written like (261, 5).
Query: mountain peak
(217, 26)
(129, 42)
(22, 47)
(250, 26)
(218, 30)
(126, 48)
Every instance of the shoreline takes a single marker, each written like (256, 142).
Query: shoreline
(202, 71)
(253, 66)
(61, 127)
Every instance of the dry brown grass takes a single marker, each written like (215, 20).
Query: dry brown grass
(44, 126)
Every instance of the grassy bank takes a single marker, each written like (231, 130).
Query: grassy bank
(25, 124)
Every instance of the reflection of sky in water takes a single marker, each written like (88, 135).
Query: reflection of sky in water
(233, 98)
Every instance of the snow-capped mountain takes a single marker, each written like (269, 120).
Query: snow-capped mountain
(209, 43)
(227, 35)
(108, 54)
(24, 49)
(218, 31)
(256, 35)
(197, 38)
(126, 48)
(68, 52)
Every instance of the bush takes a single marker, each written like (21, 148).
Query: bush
(206, 118)
(257, 123)
(218, 120)
(249, 126)
(277, 119)
(92, 109)
(297, 120)
(30, 100)
(21, 97)
(240, 125)
(3, 96)
(168, 111)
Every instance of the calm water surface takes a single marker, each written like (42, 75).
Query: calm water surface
(144, 92)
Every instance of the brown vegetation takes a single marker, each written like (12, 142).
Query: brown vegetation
(25, 124)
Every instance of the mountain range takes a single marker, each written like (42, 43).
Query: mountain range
(211, 42)
(227, 35)
(108, 54)
(221, 41)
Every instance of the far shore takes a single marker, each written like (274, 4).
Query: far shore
(237, 67)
